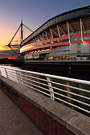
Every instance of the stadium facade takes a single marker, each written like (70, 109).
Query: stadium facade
(64, 37)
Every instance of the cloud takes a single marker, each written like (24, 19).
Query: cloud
(9, 53)
(13, 47)
(5, 47)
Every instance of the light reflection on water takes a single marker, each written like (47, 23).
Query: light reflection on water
(79, 92)
(67, 89)
(68, 94)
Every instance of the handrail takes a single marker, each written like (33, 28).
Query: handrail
(70, 91)
(54, 76)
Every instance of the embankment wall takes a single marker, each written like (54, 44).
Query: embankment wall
(51, 117)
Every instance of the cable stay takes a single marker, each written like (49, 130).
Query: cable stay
(20, 27)
(27, 28)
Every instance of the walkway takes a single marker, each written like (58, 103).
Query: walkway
(13, 121)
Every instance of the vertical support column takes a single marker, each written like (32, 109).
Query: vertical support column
(68, 32)
(19, 77)
(43, 36)
(40, 37)
(21, 31)
(58, 30)
(0, 73)
(51, 33)
(81, 28)
(6, 73)
(46, 35)
(50, 88)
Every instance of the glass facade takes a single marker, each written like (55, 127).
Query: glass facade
(59, 48)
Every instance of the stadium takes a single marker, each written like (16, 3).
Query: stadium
(64, 37)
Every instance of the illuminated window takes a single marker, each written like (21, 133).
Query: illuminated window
(58, 41)
(78, 48)
(50, 58)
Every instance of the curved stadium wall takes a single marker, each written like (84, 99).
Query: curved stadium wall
(64, 37)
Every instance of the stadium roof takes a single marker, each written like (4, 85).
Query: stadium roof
(60, 19)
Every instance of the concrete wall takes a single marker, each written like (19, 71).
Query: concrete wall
(51, 117)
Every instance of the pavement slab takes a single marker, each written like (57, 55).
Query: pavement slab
(13, 121)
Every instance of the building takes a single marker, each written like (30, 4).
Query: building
(64, 37)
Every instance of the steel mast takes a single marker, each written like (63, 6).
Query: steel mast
(20, 27)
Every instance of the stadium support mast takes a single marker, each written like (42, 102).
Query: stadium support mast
(21, 30)
(20, 27)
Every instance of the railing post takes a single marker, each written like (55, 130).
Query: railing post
(6, 72)
(0, 73)
(19, 78)
(50, 88)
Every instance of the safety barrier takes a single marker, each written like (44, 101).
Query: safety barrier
(73, 92)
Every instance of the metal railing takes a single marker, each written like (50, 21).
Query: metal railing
(73, 92)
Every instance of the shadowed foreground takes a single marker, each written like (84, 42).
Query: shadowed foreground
(13, 121)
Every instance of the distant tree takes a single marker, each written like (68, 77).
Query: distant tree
(5, 61)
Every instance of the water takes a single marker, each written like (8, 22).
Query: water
(73, 71)
(60, 90)
(32, 81)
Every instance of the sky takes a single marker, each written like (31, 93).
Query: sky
(33, 13)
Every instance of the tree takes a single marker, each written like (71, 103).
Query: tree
(5, 61)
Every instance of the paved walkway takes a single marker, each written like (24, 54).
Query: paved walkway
(13, 121)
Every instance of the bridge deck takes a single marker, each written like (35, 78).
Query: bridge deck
(13, 121)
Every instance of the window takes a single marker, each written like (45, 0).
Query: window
(78, 48)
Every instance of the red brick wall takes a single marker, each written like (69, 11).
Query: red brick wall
(47, 124)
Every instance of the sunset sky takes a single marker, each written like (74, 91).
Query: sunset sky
(33, 13)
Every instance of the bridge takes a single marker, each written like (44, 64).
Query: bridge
(57, 105)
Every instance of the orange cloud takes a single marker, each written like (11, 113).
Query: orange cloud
(8, 57)
(4, 47)
(6, 35)
(9, 54)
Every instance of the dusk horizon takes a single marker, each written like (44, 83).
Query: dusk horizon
(33, 13)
